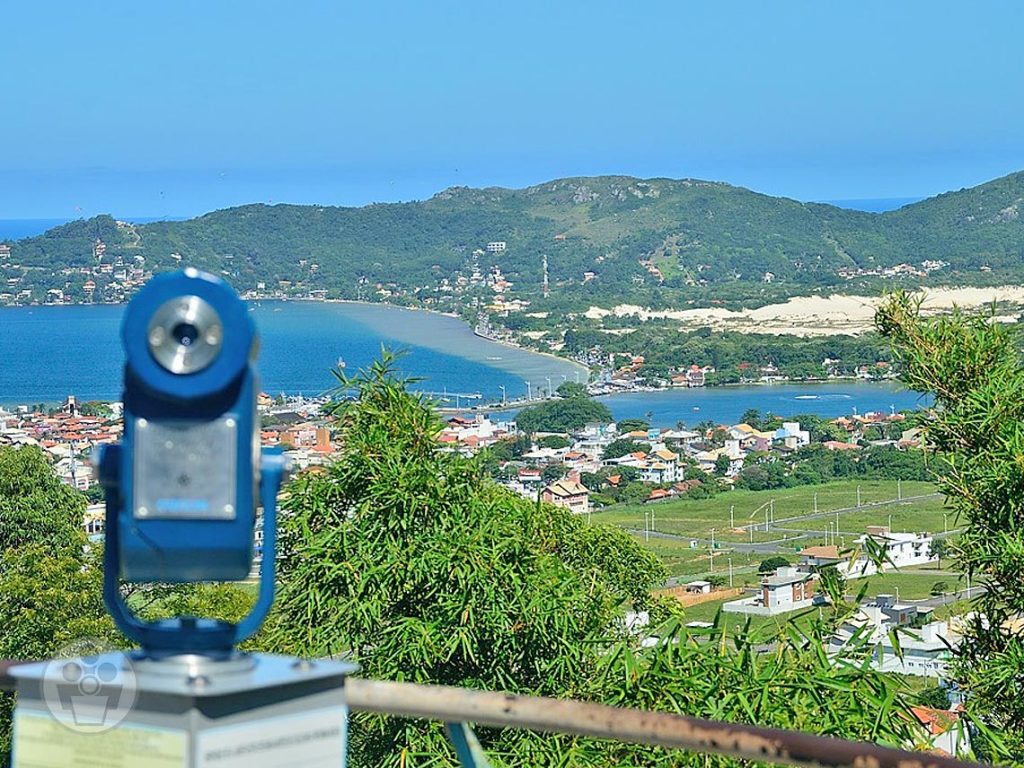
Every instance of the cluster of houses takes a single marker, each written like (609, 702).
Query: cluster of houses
(792, 588)
(68, 436)
(665, 465)
(107, 279)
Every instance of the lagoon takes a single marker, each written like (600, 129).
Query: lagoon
(47, 353)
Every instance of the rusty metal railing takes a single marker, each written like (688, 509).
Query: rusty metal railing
(457, 707)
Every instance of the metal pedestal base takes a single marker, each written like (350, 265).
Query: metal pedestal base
(121, 711)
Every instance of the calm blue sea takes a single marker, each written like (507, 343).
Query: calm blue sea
(47, 353)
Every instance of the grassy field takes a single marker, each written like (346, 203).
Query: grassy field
(696, 518)
(682, 560)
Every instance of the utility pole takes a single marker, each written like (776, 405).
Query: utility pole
(550, 392)
(652, 519)
(945, 525)
(547, 290)
(890, 522)
(730, 571)
(771, 508)
(647, 530)
(837, 526)
(766, 521)
(858, 495)
(899, 489)
(502, 388)
(751, 529)
(712, 538)
(732, 516)
(529, 392)
(815, 502)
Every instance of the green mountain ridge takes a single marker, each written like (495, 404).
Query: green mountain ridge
(657, 241)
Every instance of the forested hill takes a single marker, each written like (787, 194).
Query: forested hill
(607, 239)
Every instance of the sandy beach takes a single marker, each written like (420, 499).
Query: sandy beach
(816, 315)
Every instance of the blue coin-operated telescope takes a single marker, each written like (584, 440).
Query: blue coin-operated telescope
(182, 491)
(182, 488)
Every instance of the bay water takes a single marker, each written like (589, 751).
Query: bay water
(47, 353)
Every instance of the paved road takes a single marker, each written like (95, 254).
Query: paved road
(949, 597)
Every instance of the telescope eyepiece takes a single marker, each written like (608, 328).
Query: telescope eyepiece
(185, 335)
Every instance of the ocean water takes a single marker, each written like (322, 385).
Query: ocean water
(15, 229)
(725, 405)
(47, 353)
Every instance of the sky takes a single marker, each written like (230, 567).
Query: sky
(174, 109)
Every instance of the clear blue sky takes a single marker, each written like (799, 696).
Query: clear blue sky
(176, 108)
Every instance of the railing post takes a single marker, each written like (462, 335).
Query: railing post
(467, 747)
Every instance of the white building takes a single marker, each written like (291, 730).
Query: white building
(496, 247)
(792, 436)
(924, 651)
(878, 550)
(788, 589)
(893, 550)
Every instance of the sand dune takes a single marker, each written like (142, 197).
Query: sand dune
(815, 315)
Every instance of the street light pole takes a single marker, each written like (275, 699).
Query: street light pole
(502, 388)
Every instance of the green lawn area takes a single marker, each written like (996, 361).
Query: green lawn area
(682, 560)
(697, 517)
(918, 515)
(911, 584)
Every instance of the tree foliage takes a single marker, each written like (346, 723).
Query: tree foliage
(562, 415)
(49, 580)
(410, 561)
(973, 367)
(405, 559)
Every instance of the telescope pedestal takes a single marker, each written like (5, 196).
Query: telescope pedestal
(116, 710)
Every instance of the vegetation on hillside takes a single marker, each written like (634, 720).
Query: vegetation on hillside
(653, 242)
